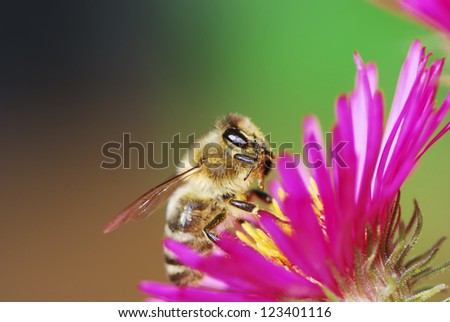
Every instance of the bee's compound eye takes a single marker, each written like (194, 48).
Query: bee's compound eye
(236, 137)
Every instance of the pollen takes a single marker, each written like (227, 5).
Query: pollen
(262, 243)
(317, 202)
(283, 220)
(281, 194)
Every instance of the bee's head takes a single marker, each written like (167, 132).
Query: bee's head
(249, 147)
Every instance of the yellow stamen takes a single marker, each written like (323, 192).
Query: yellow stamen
(262, 243)
(281, 194)
(317, 203)
(276, 211)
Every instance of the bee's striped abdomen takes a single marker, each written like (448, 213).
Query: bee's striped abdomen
(185, 224)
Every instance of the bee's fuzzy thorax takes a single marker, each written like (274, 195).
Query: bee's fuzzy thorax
(226, 162)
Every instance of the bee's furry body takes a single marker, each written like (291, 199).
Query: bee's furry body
(205, 195)
(213, 178)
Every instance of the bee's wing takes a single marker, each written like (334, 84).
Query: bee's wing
(146, 204)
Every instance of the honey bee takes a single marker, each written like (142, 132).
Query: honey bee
(212, 178)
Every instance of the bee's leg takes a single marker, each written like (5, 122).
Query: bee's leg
(245, 159)
(244, 205)
(212, 224)
(249, 172)
(260, 195)
(252, 208)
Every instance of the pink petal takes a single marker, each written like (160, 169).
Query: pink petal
(436, 13)
(288, 169)
(437, 137)
(405, 82)
(361, 103)
(313, 134)
(237, 270)
(195, 294)
(308, 254)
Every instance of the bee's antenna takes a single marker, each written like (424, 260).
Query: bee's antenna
(248, 173)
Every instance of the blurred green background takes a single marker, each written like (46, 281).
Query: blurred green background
(76, 75)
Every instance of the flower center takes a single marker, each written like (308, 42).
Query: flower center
(260, 241)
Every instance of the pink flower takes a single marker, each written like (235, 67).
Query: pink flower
(334, 232)
(436, 13)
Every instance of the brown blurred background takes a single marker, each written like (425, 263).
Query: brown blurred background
(74, 76)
